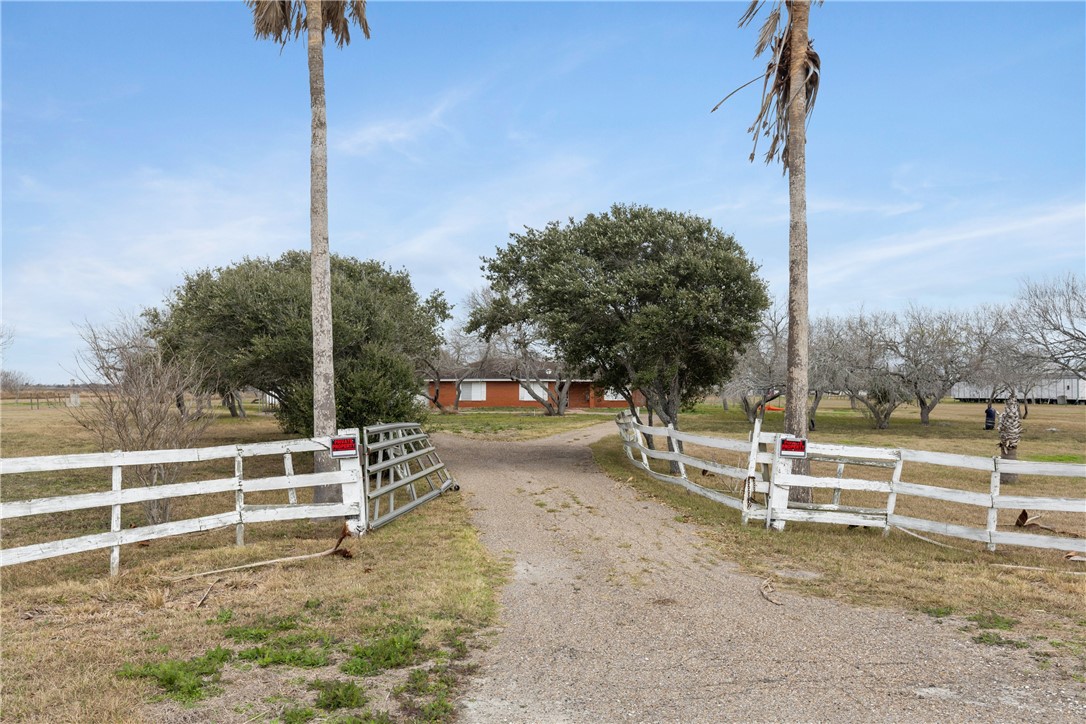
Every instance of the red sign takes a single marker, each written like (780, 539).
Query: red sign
(345, 447)
(793, 447)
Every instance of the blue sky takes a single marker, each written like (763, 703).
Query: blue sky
(946, 156)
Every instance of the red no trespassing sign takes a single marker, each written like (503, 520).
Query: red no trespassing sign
(345, 447)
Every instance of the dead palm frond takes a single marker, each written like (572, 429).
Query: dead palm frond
(777, 92)
(281, 20)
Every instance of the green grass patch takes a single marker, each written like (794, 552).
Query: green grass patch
(938, 611)
(993, 638)
(1057, 458)
(993, 621)
(334, 694)
(399, 646)
(185, 681)
(297, 715)
(261, 630)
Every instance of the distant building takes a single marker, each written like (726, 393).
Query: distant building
(482, 392)
(1064, 391)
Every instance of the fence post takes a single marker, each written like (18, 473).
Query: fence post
(355, 489)
(288, 470)
(673, 446)
(239, 500)
(891, 499)
(752, 468)
(993, 512)
(837, 491)
(775, 497)
(115, 520)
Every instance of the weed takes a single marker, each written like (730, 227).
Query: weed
(297, 715)
(457, 646)
(312, 604)
(991, 638)
(185, 681)
(333, 694)
(399, 647)
(280, 653)
(225, 615)
(993, 620)
(261, 630)
(938, 611)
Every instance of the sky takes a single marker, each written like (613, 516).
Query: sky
(946, 156)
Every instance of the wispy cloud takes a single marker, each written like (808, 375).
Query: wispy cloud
(399, 133)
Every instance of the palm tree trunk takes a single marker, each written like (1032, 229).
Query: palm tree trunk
(795, 413)
(324, 390)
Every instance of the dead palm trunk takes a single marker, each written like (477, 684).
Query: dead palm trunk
(324, 387)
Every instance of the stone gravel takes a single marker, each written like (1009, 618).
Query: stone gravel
(617, 612)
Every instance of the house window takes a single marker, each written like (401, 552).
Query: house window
(473, 392)
(612, 396)
(538, 388)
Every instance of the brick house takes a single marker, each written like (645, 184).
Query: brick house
(482, 392)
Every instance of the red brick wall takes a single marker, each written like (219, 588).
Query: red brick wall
(507, 394)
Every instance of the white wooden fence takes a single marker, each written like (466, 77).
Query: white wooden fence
(357, 481)
(777, 477)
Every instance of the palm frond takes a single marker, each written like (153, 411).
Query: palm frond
(282, 20)
(752, 10)
(768, 31)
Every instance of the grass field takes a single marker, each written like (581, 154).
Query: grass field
(513, 424)
(381, 636)
(1047, 608)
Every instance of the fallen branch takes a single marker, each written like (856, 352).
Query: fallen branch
(207, 593)
(767, 588)
(333, 551)
(929, 540)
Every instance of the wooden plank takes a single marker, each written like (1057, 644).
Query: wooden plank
(932, 526)
(1033, 540)
(694, 488)
(115, 523)
(67, 503)
(808, 481)
(850, 453)
(1016, 502)
(949, 495)
(719, 443)
(1027, 467)
(832, 517)
(286, 482)
(40, 551)
(271, 513)
(969, 462)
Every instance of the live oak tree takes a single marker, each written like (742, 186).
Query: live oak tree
(635, 298)
(249, 323)
(280, 20)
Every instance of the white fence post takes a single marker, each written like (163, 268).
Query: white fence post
(354, 490)
(993, 512)
(288, 470)
(239, 499)
(752, 469)
(891, 499)
(115, 520)
(778, 495)
(673, 446)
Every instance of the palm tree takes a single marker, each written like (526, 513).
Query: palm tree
(281, 20)
(790, 85)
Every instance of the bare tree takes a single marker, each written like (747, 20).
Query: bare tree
(1050, 316)
(136, 406)
(935, 350)
(13, 382)
(1009, 368)
(7, 337)
(859, 350)
(760, 374)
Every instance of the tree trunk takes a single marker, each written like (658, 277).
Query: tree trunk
(925, 409)
(814, 408)
(324, 385)
(795, 412)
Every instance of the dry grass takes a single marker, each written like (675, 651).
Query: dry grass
(513, 423)
(68, 628)
(863, 567)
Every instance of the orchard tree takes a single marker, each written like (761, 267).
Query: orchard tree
(635, 298)
(1050, 317)
(759, 375)
(858, 350)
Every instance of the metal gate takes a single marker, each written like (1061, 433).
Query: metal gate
(401, 469)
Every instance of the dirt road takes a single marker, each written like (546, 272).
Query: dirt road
(617, 612)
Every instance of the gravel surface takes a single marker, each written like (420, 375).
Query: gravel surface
(617, 612)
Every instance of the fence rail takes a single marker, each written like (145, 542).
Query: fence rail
(371, 477)
(777, 478)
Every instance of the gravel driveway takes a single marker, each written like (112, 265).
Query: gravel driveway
(617, 612)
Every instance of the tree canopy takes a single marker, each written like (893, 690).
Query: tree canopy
(635, 298)
(249, 324)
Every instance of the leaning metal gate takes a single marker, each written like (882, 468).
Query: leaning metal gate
(401, 469)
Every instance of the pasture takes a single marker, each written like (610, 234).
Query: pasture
(383, 634)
